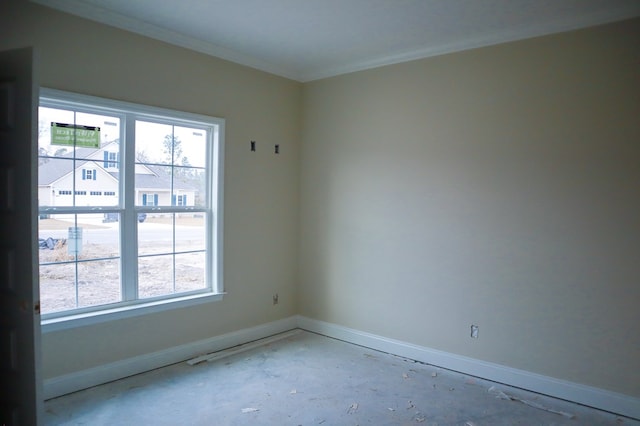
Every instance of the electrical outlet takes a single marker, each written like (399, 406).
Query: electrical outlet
(275, 299)
(474, 331)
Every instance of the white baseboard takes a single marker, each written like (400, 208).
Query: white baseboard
(84, 379)
(586, 395)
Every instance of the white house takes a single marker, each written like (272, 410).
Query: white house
(95, 181)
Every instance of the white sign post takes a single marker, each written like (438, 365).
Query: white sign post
(74, 242)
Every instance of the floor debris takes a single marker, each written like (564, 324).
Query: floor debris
(334, 375)
(434, 374)
(353, 408)
(499, 394)
(250, 410)
(214, 356)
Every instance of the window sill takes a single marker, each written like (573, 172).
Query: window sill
(106, 315)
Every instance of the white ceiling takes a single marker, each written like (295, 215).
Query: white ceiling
(311, 39)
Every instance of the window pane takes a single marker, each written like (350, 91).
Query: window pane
(190, 155)
(155, 234)
(170, 165)
(69, 277)
(190, 269)
(161, 190)
(94, 184)
(90, 185)
(199, 182)
(153, 143)
(97, 236)
(55, 182)
(98, 283)
(107, 127)
(191, 147)
(166, 234)
(79, 170)
(159, 231)
(57, 288)
(155, 276)
(46, 116)
(190, 232)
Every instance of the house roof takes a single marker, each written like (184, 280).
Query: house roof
(158, 180)
(56, 168)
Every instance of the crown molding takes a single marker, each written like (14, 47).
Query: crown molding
(114, 19)
(491, 39)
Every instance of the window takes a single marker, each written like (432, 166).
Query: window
(149, 199)
(88, 174)
(152, 239)
(179, 200)
(110, 159)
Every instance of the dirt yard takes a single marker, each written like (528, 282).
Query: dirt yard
(98, 268)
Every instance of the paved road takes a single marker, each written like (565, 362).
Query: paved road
(148, 232)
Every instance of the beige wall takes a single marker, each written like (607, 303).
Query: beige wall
(497, 187)
(261, 189)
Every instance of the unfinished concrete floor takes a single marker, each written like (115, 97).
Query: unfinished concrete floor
(307, 379)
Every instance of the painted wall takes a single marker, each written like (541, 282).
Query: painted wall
(498, 187)
(261, 189)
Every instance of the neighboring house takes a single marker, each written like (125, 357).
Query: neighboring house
(97, 181)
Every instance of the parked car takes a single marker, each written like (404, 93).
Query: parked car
(110, 217)
(113, 217)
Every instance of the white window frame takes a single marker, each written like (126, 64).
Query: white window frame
(128, 210)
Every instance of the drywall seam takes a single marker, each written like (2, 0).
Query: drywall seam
(586, 395)
(84, 379)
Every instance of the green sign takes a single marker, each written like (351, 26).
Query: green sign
(74, 134)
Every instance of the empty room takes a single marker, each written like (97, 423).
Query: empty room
(321, 212)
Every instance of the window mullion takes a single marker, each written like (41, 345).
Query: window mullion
(128, 225)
